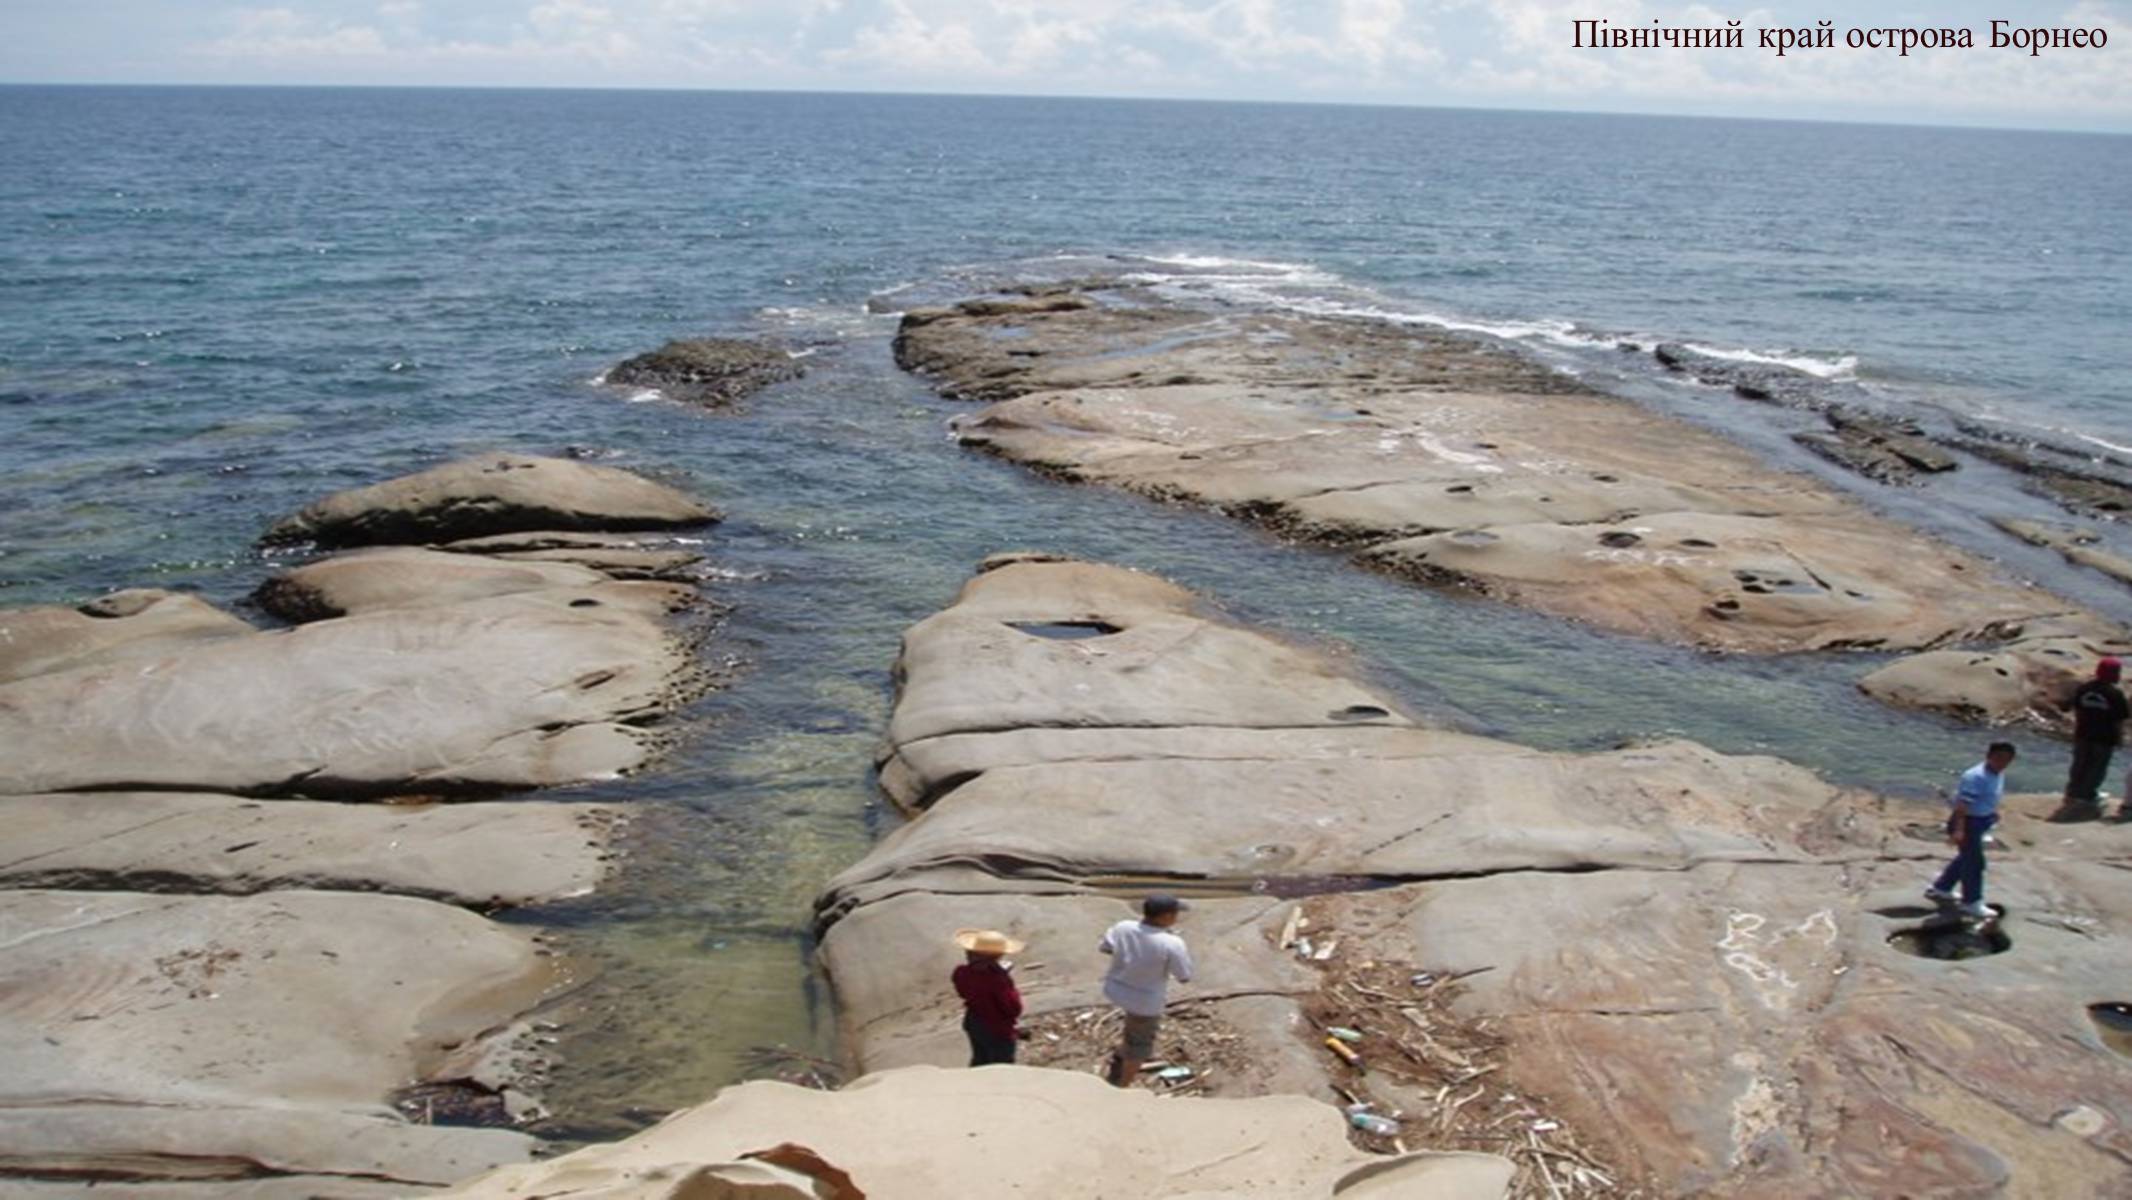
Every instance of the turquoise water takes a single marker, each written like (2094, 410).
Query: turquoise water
(216, 305)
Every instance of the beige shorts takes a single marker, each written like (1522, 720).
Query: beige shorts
(1140, 1037)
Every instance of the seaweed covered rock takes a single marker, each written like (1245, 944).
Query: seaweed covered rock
(712, 372)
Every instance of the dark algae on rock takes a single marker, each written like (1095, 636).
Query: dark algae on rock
(712, 372)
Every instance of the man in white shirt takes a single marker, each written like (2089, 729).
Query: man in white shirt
(1144, 957)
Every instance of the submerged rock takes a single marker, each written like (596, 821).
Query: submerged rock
(712, 372)
(490, 494)
(1700, 967)
(924, 1134)
(1883, 450)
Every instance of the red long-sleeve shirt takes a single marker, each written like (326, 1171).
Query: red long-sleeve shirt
(989, 994)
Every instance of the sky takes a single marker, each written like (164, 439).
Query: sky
(1469, 53)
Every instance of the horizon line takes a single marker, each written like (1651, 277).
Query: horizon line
(1121, 98)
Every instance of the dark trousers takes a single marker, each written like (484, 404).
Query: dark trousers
(2091, 761)
(986, 1047)
(1967, 868)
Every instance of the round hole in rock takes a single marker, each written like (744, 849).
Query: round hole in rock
(1360, 712)
(2114, 1022)
(1065, 631)
(1951, 939)
(1619, 539)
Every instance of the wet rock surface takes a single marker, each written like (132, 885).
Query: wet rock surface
(919, 1134)
(491, 494)
(712, 372)
(1881, 449)
(2079, 479)
(1690, 958)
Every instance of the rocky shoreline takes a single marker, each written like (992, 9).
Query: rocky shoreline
(1461, 465)
(243, 949)
(1710, 974)
(246, 934)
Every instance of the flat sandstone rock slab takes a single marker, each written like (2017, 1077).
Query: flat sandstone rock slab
(127, 626)
(1458, 464)
(509, 692)
(925, 1134)
(1086, 644)
(407, 577)
(154, 1027)
(502, 853)
(491, 494)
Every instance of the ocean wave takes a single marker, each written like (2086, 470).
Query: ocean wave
(1313, 291)
(1842, 367)
(1218, 264)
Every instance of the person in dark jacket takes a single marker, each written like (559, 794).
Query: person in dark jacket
(2099, 713)
(991, 1004)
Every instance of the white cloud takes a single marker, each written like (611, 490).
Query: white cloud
(1509, 52)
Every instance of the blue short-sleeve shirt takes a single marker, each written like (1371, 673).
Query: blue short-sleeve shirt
(1979, 792)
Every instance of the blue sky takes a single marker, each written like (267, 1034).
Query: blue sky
(1493, 53)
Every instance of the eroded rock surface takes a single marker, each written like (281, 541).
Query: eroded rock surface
(506, 692)
(126, 626)
(491, 494)
(205, 1038)
(1700, 964)
(712, 372)
(923, 1134)
(502, 853)
(1462, 465)
(2027, 679)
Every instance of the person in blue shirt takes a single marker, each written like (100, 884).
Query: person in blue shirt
(1976, 810)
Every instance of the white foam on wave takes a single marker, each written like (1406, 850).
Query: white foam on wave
(1215, 263)
(1560, 333)
(1841, 367)
(646, 395)
(1312, 291)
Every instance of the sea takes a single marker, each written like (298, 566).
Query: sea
(217, 304)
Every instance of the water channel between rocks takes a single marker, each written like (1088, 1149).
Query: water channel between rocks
(851, 516)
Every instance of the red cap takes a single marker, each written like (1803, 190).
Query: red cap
(2108, 668)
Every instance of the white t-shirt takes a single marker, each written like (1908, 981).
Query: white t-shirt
(1143, 960)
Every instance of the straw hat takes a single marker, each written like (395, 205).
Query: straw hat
(987, 941)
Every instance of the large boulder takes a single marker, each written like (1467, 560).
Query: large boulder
(923, 1134)
(489, 494)
(1688, 972)
(480, 854)
(712, 372)
(512, 691)
(230, 1038)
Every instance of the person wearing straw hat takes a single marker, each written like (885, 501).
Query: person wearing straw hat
(991, 1004)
